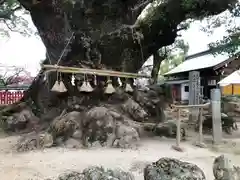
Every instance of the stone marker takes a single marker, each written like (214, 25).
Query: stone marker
(216, 115)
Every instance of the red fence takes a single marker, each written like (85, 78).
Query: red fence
(10, 97)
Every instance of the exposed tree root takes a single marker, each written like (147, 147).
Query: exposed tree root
(118, 120)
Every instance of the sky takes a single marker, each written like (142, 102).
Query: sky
(29, 51)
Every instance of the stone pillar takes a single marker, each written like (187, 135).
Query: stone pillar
(216, 115)
(194, 93)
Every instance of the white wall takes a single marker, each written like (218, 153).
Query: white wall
(184, 95)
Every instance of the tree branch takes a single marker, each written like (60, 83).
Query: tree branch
(147, 66)
(8, 13)
(137, 6)
(160, 28)
(141, 5)
(157, 30)
(12, 78)
(7, 25)
(181, 28)
(2, 1)
(17, 8)
(130, 45)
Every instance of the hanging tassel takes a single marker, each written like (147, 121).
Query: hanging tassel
(134, 82)
(83, 87)
(86, 86)
(120, 82)
(128, 87)
(44, 77)
(109, 89)
(89, 87)
(56, 85)
(73, 80)
(62, 87)
(95, 80)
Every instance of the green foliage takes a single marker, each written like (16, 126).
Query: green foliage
(226, 20)
(2, 83)
(12, 18)
(229, 44)
(7, 9)
(230, 21)
(174, 55)
(169, 57)
(151, 12)
(171, 62)
(189, 4)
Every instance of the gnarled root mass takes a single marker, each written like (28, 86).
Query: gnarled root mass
(118, 120)
(34, 141)
(164, 169)
(170, 168)
(96, 173)
(224, 169)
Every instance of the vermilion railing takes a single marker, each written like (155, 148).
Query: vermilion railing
(10, 97)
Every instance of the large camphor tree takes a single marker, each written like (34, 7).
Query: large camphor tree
(108, 34)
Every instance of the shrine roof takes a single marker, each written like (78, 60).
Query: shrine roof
(202, 62)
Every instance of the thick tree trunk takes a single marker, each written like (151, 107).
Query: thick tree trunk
(157, 60)
(107, 34)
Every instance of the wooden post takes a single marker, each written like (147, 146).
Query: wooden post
(200, 142)
(200, 126)
(178, 139)
(216, 115)
(178, 132)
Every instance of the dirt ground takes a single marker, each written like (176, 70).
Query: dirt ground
(39, 165)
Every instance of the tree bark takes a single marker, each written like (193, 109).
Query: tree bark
(157, 60)
(107, 34)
